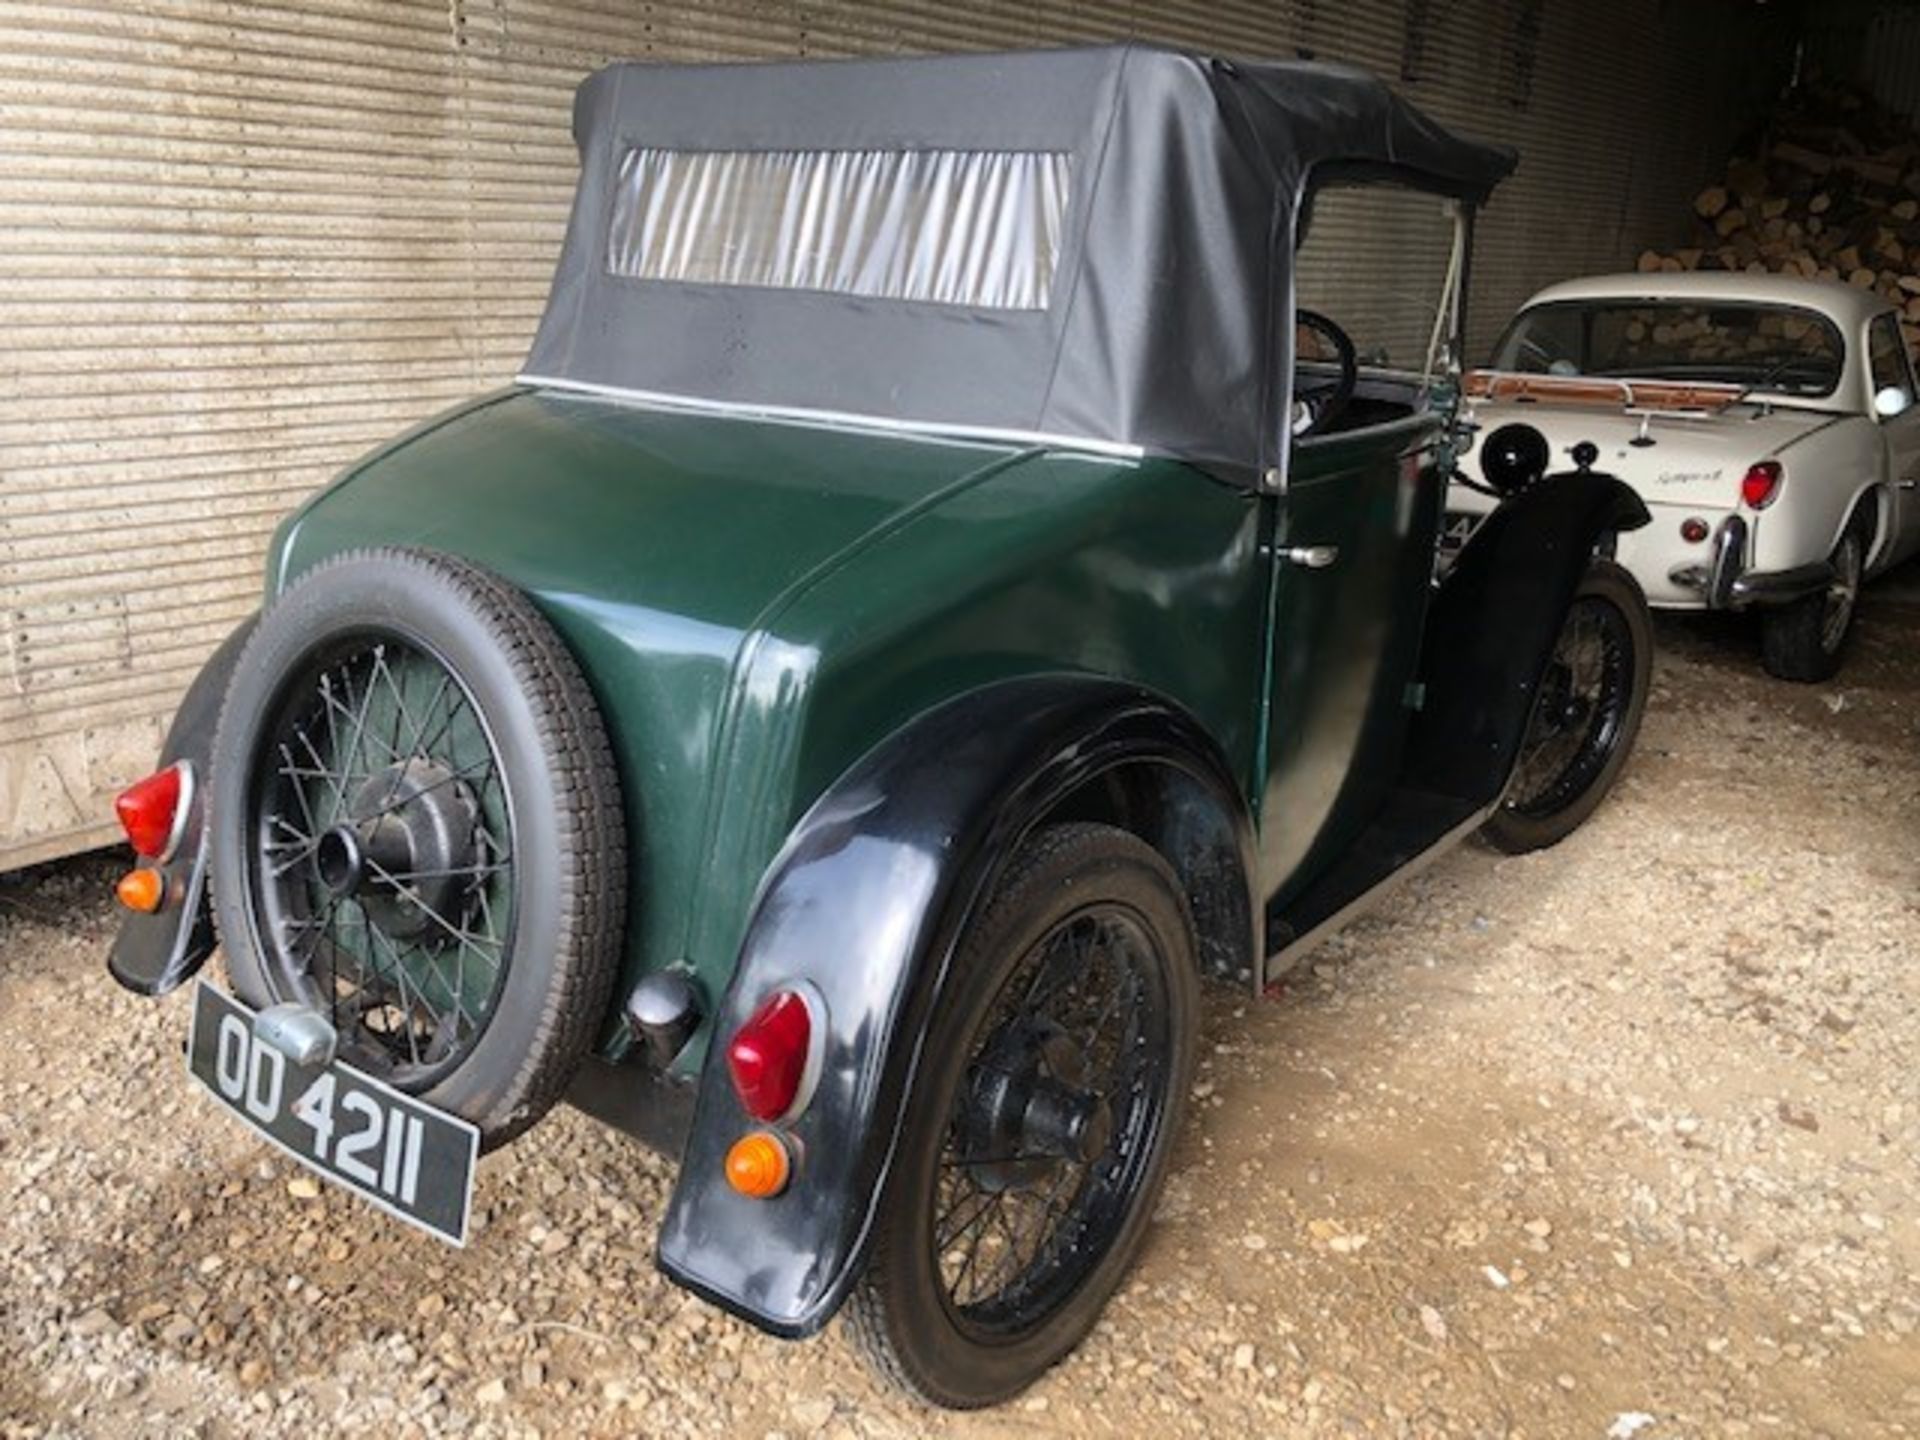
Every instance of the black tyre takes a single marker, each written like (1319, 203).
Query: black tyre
(416, 829)
(1039, 1130)
(1807, 640)
(1585, 716)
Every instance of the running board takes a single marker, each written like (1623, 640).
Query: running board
(1413, 829)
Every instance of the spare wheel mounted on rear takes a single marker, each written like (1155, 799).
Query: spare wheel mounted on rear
(418, 832)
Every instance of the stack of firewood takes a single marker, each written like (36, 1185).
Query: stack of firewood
(1830, 189)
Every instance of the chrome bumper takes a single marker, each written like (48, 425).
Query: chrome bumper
(1725, 583)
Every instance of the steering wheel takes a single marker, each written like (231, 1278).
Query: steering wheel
(1317, 405)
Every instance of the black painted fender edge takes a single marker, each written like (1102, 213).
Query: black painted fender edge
(866, 902)
(156, 953)
(1492, 625)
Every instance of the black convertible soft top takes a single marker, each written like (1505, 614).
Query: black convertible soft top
(1089, 244)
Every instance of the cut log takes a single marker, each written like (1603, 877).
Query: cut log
(1799, 156)
(1834, 195)
(1747, 179)
(1879, 172)
(1710, 201)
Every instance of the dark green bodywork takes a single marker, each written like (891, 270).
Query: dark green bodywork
(757, 604)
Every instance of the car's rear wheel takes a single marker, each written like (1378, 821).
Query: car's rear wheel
(1585, 715)
(1040, 1126)
(1806, 640)
(416, 831)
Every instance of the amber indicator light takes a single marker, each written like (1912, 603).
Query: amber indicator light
(142, 890)
(758, 1165)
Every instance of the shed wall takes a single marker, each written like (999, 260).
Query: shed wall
(241, 242)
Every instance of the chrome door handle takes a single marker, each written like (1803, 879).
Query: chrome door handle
(1311, 557)
(1910, 484)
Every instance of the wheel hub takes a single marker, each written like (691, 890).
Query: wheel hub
(339, 861)
(1030, 1109)
(405, 851)
(1562, 707)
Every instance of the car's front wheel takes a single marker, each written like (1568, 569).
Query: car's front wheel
(1806, 640)
(1585, 715)
(1040, 1126)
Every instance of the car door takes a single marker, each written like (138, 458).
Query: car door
(1892, 373)
(1353, 558)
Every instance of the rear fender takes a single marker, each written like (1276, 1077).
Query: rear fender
(156, 953)
(865, 904)
(1492, 626)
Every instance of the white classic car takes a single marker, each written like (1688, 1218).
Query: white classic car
(1769, 424)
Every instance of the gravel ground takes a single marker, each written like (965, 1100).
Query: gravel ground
(1615, 1140)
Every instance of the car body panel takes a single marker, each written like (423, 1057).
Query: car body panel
(755, 604)
(1346, 639)
(1693, 469)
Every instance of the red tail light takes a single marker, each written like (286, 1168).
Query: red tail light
(151, 810)
(769, 1057)
(1761, 484)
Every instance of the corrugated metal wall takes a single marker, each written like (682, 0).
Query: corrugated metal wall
(242, 241)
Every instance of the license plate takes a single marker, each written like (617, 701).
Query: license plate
(409, 1159)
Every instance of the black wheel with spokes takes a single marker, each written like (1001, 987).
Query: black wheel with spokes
(381, 852)
(416, 832)
(1039, 1132)
(1585, 715)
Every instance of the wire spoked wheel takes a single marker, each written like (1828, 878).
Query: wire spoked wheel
(1577, 717)
(1039, 1132)
(415, 831)
(1585, 714)
(1049, 1135)
(385, 873)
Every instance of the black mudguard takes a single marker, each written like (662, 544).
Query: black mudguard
(1492, 626)
(156, 953)
(866, 902)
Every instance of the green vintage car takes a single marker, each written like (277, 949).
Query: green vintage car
(932, 600)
